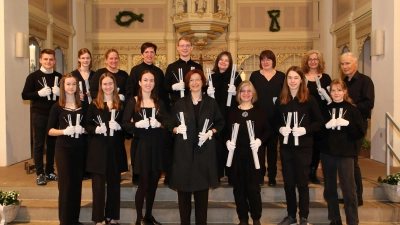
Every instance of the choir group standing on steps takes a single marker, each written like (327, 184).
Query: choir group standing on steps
(198, 127)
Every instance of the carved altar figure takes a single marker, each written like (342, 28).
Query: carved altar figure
(180, 6)
(201, 5)
(221, 6)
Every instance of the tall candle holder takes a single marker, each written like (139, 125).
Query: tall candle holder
(32, 58)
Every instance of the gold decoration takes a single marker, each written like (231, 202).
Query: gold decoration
(241, 59)
(136, 60)
(360, 43)
(123, 60)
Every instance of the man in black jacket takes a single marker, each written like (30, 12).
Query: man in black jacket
(361, 91)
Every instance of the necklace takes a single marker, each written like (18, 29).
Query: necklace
(245, 113)
(69, 104)
(195, 102)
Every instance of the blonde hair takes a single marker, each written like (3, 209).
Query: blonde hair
(321, 61)
(253, 91)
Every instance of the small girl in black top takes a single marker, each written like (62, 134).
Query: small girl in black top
(344, 128)
(69, 149)
(296, 151)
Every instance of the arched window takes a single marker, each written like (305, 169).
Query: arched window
(32, 41)
(59, 60)
(293, 60)
(364, 62)
(249, 65)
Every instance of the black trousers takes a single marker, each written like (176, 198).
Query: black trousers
(295, 169)
(40, 136)
(109, 208)
(344, 167)
(69, 168)
(272, 156)
(222, 155)
(357, 170)
(148, 183)
(200, 204)
(247, 196)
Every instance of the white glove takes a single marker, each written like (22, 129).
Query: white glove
(55, 90)
(285, 131)
(78, 129)
(254, 145)
(101, 129)
(154, 123)
(44, 91)
(210, 90)
(181, 129)
(114, 125)
(324, 95)
(205, 136)
(342, 122)
(230, 145)
(143, 124)
(232, 89)
(331, 124)
(70, 130)
(178, 86)
(121, 97)
(298, 131)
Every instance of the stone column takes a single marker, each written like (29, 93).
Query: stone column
(88, 24)
(49, 38)
(14, 113)
(170, 35)
(233, 37)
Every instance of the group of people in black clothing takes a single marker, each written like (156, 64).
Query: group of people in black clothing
(186, 128)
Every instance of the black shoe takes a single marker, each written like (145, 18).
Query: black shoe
(256, 222)
(244, 222)
(41, 179)
(51, 177)
(341, 201)
(271, 182)
(135, 179)
(108, 221)
(335, 222)
(151, 220)
(141, 222)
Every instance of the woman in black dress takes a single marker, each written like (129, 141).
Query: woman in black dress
(84, 75)
(221, 79)
(150, 154)
(194, 168)
(296, 151)
(104, 159)
(268, 83)
(243, 174)
(69, 149)
(313, 65)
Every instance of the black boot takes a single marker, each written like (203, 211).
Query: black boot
(313, 176)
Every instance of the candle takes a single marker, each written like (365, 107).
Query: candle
(78, 121)
(87, 90)
(288, 121)
(55, 85)
(112, 119)
(250, 130)
(233, 74)
(235, 131)
(32, 58)
(183, 123)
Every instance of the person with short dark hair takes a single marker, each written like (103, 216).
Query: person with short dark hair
(296, 105)
(194, 168)
(361, 91)
(39, 88)
(268, 83)
(242, 173)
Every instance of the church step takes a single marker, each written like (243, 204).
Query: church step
(221, 194)
(218, 212)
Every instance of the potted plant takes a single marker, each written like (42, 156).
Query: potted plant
(9, 206)
(391, 186)
(366, 144)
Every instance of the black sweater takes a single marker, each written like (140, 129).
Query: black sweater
(170, 77)
(343, 142)
(58, 120)
(309, 117)
(121, 78)
(132, 86)
(40, 105)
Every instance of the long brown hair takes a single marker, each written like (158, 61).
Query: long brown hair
(153, 96)
(81, 52)
(302, 93)
(342, 85)
(62, 100)
(99, 101)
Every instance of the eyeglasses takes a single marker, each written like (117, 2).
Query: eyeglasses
(187, 46)
(245, 91)
(313, 59)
